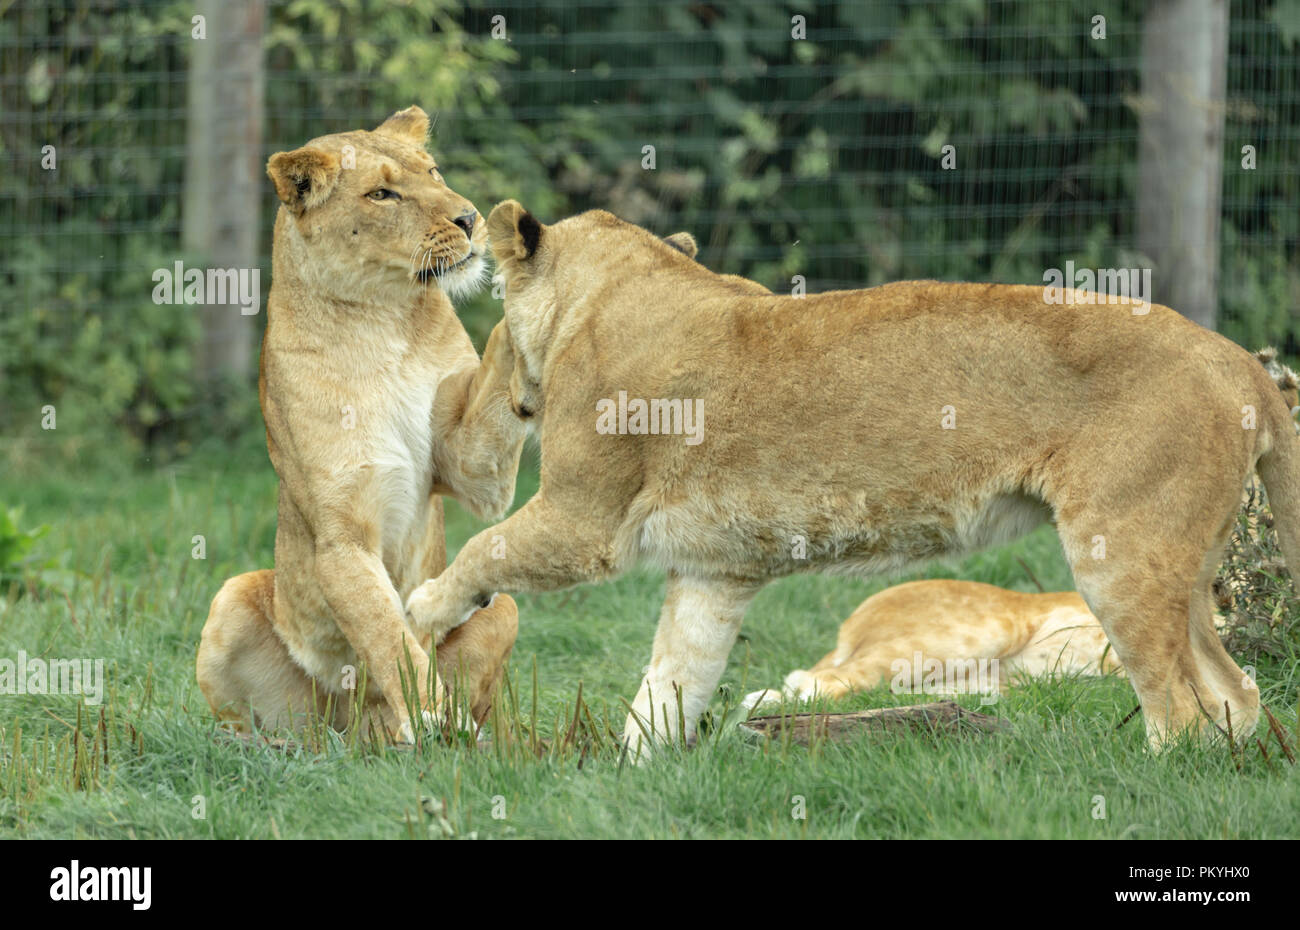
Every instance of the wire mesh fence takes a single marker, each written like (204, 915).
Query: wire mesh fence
(849, 143)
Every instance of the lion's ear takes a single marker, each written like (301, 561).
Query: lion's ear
(513, 231)
(304, 177)
(683, 242)
(409, 125)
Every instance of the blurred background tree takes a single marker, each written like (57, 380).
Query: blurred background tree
(821, 156)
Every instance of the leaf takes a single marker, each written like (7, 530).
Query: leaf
(1286, 16)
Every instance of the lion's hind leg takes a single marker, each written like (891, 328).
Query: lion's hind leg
(1152, 596)
(472, 659)
(244, 669)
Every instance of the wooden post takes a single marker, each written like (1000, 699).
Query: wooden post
(1180, 151)
(224, 173)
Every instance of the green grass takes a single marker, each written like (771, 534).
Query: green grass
(133, 595)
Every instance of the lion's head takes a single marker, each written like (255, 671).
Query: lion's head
(546, 267)
(368, 216)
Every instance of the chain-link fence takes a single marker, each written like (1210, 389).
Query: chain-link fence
(849, 143)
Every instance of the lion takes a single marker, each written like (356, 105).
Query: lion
(375, 405)
(868, 431)
(963, 625)
(956, 622)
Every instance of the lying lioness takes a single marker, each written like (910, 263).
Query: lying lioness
(955, 624)
(375, 403)
(867, 431)
(902, 633)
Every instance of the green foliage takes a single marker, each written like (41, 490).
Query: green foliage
(820, 157)
(17, 562)
(1260, 296)
(124, 375)
(78, 330)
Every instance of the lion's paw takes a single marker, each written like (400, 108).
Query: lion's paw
(756, 699)
(432, 613)
(428, 722)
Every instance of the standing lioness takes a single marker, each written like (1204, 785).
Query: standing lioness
(375, 403)
(865, 431)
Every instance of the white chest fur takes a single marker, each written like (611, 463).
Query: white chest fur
(399, 454)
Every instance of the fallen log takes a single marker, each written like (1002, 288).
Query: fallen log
(940, 717)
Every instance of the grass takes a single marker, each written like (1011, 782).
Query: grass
(148, 760)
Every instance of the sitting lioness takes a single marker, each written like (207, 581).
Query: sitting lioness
(375, 404)
(866, 431)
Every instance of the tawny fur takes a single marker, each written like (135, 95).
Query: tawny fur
(825, 448)
(955, 622)
(1029, 635)
(375, 403)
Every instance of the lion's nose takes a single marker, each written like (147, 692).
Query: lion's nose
(466, 222)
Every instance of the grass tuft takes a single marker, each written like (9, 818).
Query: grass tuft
(150, 762)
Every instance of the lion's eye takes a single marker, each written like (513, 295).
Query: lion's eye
(434, 172)
(383, 193)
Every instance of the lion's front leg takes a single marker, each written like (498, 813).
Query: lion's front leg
(476, 457)
(539, 548)
(697, 628)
